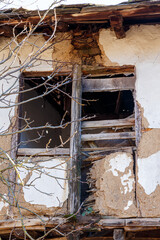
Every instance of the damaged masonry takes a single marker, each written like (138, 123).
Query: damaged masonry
(80, 122)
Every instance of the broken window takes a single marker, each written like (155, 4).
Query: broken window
(109, 103)
(44, 112)
(109, 109)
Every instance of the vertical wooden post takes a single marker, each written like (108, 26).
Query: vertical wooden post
(74, 165)
(118, 234)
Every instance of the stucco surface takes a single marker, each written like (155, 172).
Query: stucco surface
(115, 180)
(141, 47)
(115, 185)
(45, 187)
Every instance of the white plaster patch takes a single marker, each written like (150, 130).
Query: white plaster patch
(127, 181)
(47, 187)
(128, 205)
(119, 163)
(148, 172)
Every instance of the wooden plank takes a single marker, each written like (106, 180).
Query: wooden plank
(111, 222)
(45, 73)
(110, 70)
(42, 151)
(86, 70)
(107, 136)
(136, 224)
(108, 84)
(143, 222)
(118, 234)
(74, 164)
(101, 149)
(10, 224)
(126, 122)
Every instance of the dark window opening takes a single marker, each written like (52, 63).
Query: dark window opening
(108, 105)
(52, 109)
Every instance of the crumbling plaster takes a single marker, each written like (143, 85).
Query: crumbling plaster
(45, 190)
(115, 185)
(141, 47)
(34, 200)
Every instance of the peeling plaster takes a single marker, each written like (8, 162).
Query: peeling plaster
(46, 187)
(10, 82)
(115, 185)
(127, 181)
(149, 172)
(119, 163)
(128, 205)
(140, 47)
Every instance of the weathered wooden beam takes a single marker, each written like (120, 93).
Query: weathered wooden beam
(126, 122)
(143, 222)
(107, 136)
(42, 151)
(86, 70)
(108, 84)
(110, 70)
(107, 149)
(28, 223)
(118, 234)
(136, 224)
(116, 22)
(46, 73)
(148, 10)
(74, 164)
(111, 222)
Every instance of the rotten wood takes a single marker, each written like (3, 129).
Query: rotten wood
(110, 70)
(46, 73)
(105, 149)
(84, 13)
(136, 224)
(86, 70)
(108, 84)
(107, 136)
(143, 222)
(118, 234)
(29, 224)
(125, 123)
(116, 22)
(102, 155)
(42, 151)
(74, 164)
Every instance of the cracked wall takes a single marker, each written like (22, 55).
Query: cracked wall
(141, 47)
(59, 55)
(115, 184)
(45, 189)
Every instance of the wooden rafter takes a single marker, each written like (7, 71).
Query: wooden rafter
(116, 22)
(85, 14)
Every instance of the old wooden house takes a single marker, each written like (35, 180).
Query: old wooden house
(80, 122)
